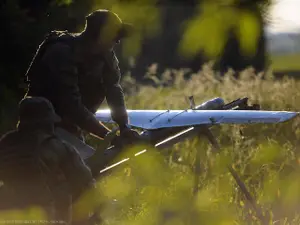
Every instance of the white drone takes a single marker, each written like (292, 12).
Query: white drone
(199, 115)
(164, 128)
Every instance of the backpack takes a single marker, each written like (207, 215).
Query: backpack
(51, 38)
(23, 174)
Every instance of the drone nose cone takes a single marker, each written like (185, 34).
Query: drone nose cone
(288, 116)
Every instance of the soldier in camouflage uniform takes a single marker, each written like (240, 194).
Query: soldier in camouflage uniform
(76, 72)
(39, 169)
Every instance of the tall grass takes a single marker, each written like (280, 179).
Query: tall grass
(152, 190)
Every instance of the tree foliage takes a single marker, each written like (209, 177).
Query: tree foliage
(173, 33)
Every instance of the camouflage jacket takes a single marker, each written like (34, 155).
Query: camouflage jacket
(76, 84)
(61, 172)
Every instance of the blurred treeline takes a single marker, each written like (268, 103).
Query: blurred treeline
(173, 33)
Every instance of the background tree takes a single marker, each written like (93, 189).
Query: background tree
(172, 33)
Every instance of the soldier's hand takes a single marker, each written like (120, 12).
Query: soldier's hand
(117, 141)
(129, 134)
(110, 136)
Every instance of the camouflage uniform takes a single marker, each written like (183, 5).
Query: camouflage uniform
(77, 81)
(37, 168)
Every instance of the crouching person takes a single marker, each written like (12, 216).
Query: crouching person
(37, 169)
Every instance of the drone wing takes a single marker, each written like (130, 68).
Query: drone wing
(155, 119)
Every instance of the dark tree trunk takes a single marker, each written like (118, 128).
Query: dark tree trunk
(162, 49)
(232, 56)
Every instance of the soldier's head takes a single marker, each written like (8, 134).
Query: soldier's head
(106, 29)
(37, 112)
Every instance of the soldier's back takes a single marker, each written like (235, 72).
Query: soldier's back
(23, 184)
(68, 166)
(71, 177)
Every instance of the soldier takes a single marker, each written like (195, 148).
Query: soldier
(39, 169)
(76, 72)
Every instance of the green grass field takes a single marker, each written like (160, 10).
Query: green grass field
(152, 190)
(286, 62)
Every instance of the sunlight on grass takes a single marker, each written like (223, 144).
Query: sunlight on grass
(264, 156)
(31, 213)
(151, 189)
(267, 153)
(285, 62)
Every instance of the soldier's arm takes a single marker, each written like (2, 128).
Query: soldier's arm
(59, 61)
(113, 90)
(65, 163)
(77, 172)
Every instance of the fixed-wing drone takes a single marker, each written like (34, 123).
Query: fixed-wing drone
(164, 128)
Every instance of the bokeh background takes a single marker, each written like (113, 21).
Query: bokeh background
(205, 48)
